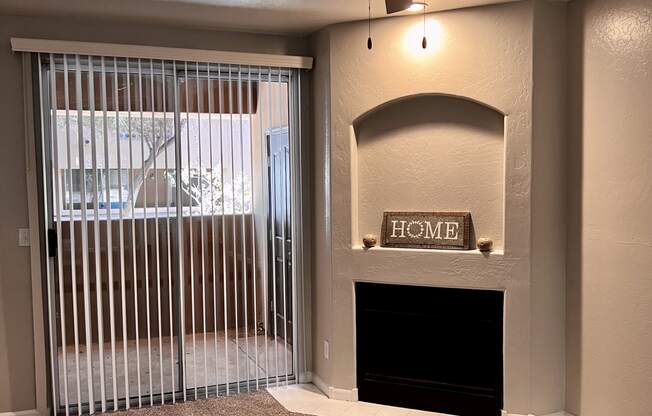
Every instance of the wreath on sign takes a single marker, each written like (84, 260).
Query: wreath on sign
(417, 223)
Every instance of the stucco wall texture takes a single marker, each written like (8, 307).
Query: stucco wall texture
(609, 283)
(484, 55)
(577, 154)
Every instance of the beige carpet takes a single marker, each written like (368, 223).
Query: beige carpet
(259, 403)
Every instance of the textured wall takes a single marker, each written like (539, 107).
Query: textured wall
(321, 200)
(549, 217)
(431, 153)
(486, 55)
(609, 287)
(17, 386)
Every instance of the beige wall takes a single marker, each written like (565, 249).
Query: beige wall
(548, 206)
(430, 153)
(610, 192)
(17, 385)
(484, 55)
(321, 263)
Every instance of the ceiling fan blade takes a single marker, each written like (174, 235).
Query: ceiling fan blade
(394, 6)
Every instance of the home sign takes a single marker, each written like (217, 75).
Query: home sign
(434, 230)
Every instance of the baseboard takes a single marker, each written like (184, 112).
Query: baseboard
(504, 413)
(344, 394)
(319, 383)
(305, 377)
(348, 395)
(30, 412)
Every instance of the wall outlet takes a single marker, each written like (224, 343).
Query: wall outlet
(23, 237)
(327, 350)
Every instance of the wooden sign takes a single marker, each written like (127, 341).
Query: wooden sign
(435, 230)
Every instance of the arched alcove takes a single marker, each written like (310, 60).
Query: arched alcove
(429, 153)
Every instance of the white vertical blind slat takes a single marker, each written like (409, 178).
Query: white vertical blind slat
(109, 234)
(191, 240)
(223, 229)
(283, 233)
(84, 236)
(121, 237)
(58, 211)
(96, 228)
(233, 227)
(253, 221)
(145, 240)
(214, 253)
(265, 208)
(155, 151)
(201, 228)
(134, 265)
(180, 238)
(243, 234)
(273, 223)
(167, 234)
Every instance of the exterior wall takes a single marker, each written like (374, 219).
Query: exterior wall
(485, 55)
(609, 304)
(17, 384)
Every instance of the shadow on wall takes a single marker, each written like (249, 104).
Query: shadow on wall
(430, 153)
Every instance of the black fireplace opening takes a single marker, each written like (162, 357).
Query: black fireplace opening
(430, 348)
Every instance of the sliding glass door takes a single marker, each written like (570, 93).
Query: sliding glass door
(168, 189)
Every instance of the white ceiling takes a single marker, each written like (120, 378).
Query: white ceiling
(267, 16)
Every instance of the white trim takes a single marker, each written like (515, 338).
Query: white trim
(30, 412)
(348, 395)
(319, 383)
(158, 52)
(562, 413)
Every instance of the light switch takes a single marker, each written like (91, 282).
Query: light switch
(23, 237)
(327, 352)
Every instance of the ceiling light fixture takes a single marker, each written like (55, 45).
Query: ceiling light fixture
(424, 41)
(394, 6)
(369, 42)
(416, 7)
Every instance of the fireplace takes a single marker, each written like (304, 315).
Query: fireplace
(429, 348)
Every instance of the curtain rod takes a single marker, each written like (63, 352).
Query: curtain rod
(158, 52)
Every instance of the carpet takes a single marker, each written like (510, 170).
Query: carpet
(259, 403)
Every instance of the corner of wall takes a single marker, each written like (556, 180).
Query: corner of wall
(321, 268)
(548, 267)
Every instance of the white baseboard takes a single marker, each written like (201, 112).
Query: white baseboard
(30, 412)
(335, 393)
(344, 394)
(504, 413)
(319, 383)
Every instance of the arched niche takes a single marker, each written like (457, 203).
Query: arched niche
(429, 153)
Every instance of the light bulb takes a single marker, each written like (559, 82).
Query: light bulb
(416, 7)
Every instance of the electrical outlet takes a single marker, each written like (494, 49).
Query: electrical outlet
(327, 352)
(23, 237)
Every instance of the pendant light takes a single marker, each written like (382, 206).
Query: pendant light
(424, 41)
(370, 44)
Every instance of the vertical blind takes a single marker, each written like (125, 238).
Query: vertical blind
(168, 194)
